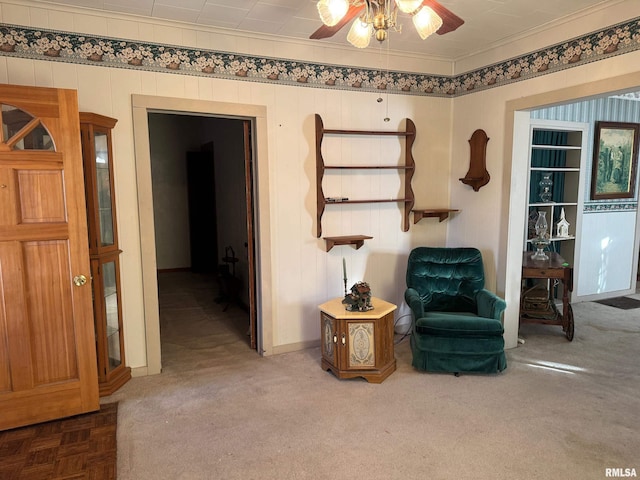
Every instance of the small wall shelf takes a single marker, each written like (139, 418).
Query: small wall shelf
(477, 176)
(357, 240)
(441, 213)
(406, 169)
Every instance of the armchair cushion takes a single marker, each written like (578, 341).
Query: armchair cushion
(447, 279)
(459, 325)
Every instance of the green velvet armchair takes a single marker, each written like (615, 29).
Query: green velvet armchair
(456, 325)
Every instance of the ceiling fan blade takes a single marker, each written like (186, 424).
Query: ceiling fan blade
(326, 32)
(450, 21)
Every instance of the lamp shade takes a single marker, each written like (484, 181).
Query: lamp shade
(360, 34)
(408, 6)
(332, 11)
(426, 22)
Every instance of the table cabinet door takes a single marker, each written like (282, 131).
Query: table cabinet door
(360, 350)
(329, 338)
(384, 340)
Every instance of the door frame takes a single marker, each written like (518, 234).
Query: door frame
(142, 106)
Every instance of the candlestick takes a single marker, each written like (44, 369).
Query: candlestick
(344, 275)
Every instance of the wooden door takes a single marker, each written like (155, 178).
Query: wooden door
(47, 341)
(251, 257)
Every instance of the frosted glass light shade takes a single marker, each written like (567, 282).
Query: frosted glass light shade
(360, 34)
(408, 6)
(332, 11)
(426, 22)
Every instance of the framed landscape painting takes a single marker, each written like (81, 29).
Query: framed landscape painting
(615, 159)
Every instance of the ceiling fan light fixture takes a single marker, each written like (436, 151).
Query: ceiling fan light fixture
(332, 11)
(408, 6)
(378, 17)
(360, 34)
(426, 22)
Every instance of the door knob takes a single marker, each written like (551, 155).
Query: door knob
(79, 280)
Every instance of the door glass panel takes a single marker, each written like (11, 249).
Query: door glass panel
(111, 306)
(35, 138)
(13, 119)
(103, 182)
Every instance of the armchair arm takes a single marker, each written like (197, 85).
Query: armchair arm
(489, 304)
(412, 297)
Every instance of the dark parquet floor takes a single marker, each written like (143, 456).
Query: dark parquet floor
(80, 447)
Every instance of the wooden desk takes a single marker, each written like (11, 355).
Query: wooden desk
(358, 344)
(536, 303)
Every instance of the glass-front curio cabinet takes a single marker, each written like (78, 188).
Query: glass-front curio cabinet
(103, 250)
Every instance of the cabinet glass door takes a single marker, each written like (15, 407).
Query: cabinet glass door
(110, 296)
(103, 187)
(103, 249)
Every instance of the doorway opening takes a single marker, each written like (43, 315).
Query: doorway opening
(203, 217)
(257, 227)
(518, 113)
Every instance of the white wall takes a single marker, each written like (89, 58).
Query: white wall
(607, 253)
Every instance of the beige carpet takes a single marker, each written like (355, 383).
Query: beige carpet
(565, 410)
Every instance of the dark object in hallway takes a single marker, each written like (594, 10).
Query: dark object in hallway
(229, 283)
(83, 446)
(202, 211)
(625, 303)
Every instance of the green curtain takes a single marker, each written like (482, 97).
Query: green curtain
(541, 157)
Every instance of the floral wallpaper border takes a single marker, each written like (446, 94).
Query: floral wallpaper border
(26, 42)
(609, 207)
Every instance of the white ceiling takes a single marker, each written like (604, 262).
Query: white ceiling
(487, 22)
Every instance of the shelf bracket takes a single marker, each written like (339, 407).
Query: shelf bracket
(357, 240)
(441, 213)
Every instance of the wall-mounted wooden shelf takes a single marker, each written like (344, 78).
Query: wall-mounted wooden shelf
(357, 240)
(440, 213)
(477, 176)
(407, 169)
(381, 200)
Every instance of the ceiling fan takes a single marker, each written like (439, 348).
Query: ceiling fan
(376, 17)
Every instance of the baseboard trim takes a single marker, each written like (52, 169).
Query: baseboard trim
(295, 347)
(139, 372)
